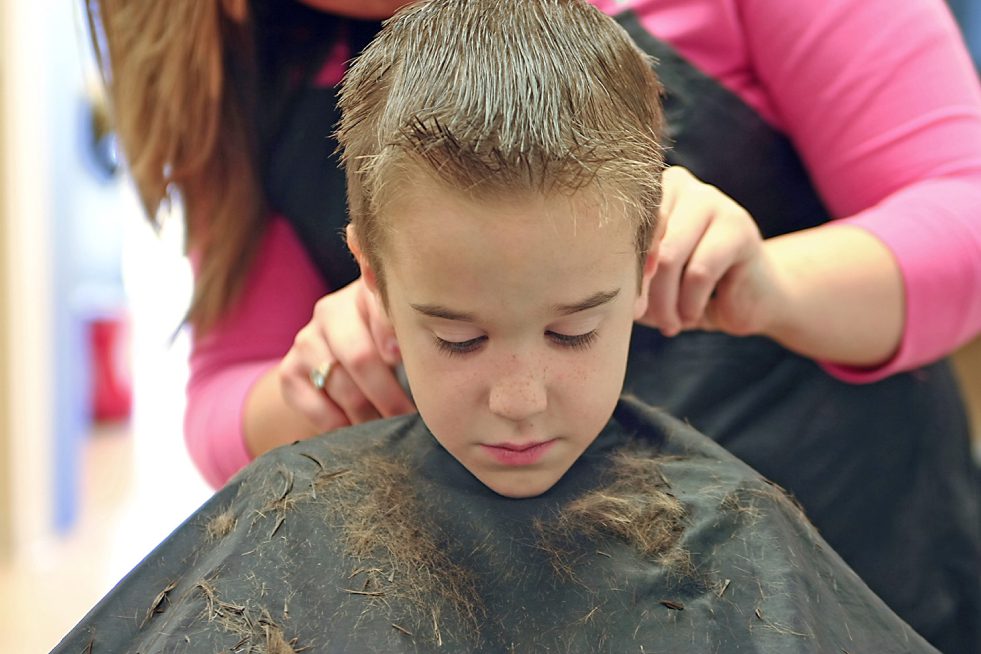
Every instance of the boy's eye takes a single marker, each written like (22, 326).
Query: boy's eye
(575, 342)
(459, 348)
(456, 348)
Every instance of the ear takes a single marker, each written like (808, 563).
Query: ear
(367, 272)
(647, 273)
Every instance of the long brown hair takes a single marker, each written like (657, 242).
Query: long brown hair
(181, 76)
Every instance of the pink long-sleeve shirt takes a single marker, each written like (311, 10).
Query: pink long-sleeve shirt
(879, 97)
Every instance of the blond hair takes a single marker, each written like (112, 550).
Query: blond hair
(489, 97)
(179, 79)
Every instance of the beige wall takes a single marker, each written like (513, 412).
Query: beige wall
(25, 280)
(6, 524)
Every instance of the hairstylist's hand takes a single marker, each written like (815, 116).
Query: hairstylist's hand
(713, 272)
(351, 346)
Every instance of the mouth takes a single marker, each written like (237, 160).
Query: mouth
(515, 454)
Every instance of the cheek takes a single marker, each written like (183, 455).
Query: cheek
(444, 389)
(592, 381)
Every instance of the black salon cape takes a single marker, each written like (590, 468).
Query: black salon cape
(763, 580)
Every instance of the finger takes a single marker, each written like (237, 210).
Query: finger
(345, 393)
(707, 322)
(300, 395)
(372, 379)
(688, 221)
(317, 407)
(338, 394)
(720, 248)
(673, 180)
(741, 302)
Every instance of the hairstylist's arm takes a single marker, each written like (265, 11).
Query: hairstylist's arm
(350, 332)
(883, 104)
(832, 293)
(358, 8)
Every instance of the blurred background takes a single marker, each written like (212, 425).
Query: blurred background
(93, 471)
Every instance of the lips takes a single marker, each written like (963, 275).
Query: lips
(515, 454)
(519, 448)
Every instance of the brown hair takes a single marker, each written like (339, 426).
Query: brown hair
(180, 85)
(487, 96)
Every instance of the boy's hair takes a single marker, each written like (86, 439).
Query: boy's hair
(492, 97)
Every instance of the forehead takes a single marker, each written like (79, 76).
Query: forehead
(522, 252)
(420, 203)
(424, 208)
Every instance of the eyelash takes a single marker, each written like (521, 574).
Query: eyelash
(456, 349)
(462, 348)
(577, 342)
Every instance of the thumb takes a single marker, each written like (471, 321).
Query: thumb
(709, 320)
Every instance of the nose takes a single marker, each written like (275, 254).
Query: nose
(519, 396)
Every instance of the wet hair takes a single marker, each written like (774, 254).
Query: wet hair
(496, 98)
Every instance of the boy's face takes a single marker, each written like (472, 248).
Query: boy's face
(514, 320)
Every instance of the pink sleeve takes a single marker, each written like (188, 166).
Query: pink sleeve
(883, 103)
(258, 330)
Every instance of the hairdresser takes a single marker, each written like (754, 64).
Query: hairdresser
(821, 254)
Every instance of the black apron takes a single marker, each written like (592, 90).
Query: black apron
(884, 470)
(266, 565)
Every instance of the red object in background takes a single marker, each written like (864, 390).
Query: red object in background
(112, 387)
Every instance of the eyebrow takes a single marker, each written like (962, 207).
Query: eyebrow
(439, 311)
(591, 302)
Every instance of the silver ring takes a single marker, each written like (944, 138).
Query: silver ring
(320, 375)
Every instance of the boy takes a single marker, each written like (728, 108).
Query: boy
(506, 223)
(503, 164)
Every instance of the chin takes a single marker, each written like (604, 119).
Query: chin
(520, 489)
